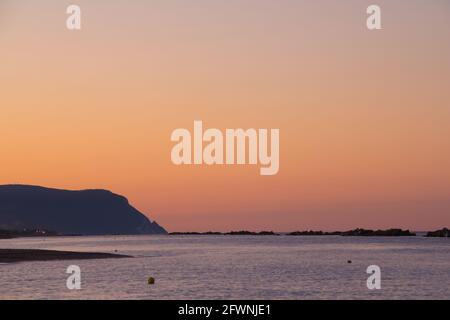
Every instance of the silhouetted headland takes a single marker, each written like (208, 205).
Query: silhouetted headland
(86, 212)
(21, 255)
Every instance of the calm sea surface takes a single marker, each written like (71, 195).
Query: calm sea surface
(235, 267)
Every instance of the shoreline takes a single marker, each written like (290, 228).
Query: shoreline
(27, 255)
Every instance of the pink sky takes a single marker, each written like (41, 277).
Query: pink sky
(364, 116)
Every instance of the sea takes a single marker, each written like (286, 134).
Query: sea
(235, 267)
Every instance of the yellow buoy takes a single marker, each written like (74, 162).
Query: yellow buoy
(151, 280)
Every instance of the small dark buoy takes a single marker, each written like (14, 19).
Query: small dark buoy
(151, 280)
(349, 261)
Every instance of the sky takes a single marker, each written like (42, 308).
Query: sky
(364, 116)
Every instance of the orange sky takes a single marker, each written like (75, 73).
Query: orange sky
(364, 116)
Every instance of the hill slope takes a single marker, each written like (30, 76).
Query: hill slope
(87, 212)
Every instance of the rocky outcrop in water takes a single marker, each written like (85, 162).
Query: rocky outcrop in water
(314, 233)
(443, 233)
(357, 233)
(379, 233)
(232, 233)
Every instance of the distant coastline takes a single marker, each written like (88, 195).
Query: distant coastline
(442, 233)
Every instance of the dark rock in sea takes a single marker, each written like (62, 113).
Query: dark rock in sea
(314, 233)
(379, 233)
(443, 233)
(250, 233)
(306, 233)
(356, 232)
(87, 212)
(232, 233)
(241, 233)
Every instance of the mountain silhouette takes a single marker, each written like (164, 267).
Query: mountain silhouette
(86, 212)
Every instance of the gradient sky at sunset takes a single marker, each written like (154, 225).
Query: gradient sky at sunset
(364, 116)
